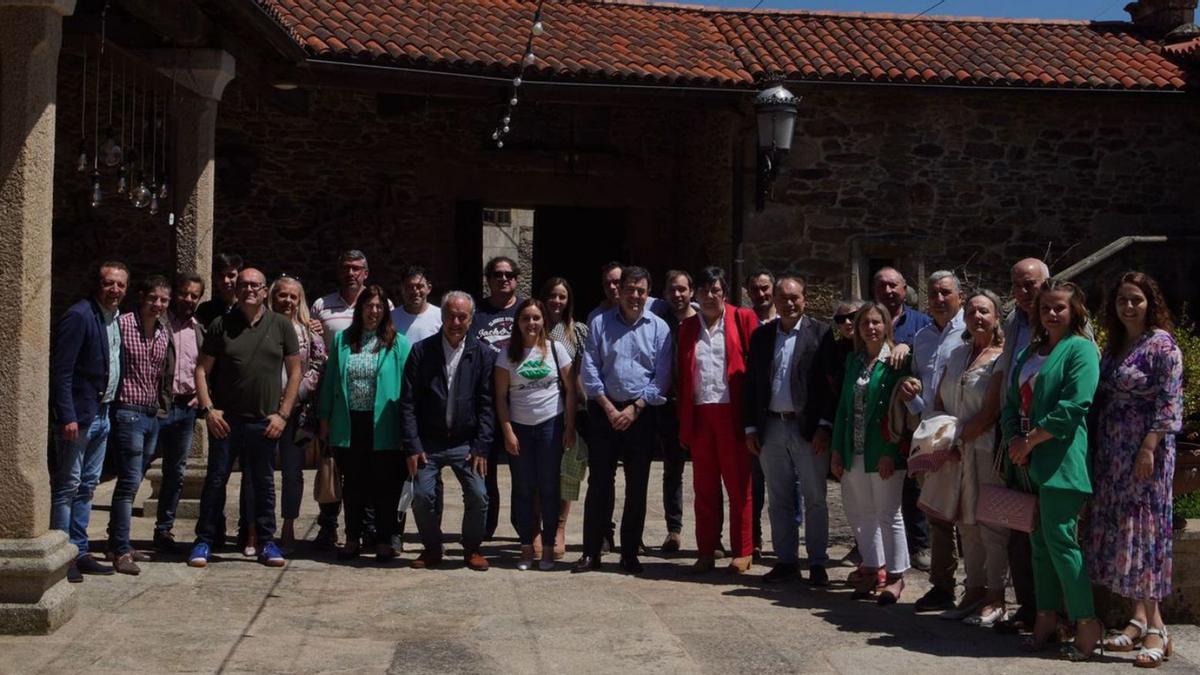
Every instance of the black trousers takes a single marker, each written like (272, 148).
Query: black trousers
(1020, 566)
(370, 478)
(633, 448)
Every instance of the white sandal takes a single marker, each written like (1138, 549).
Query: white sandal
(1121, 642)
(1152, 657)
(987, 617)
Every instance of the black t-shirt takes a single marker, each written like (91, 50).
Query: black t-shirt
(493, 326)
(250, 360)
(211, 309)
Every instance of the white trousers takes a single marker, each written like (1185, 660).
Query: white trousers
(873, 509)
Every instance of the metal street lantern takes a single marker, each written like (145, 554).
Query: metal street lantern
(775, 108)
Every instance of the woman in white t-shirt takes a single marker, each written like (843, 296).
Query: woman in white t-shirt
(537, 419)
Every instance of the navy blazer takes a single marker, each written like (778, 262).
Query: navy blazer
(757, 392)
(423, 397)
(79, 364)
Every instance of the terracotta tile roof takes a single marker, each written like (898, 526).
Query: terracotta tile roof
(679, 45)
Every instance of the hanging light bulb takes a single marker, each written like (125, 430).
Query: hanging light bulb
(507, 119)
(162, 189)
(512, 101)
(506, 128)
(123, 181)
(153, 201)
(140, 195)
(495, 135)
(530, 59)
(499, 144)
(517, 81)
(538, 28)
(81, 163)
(97, 194)
(110, 152)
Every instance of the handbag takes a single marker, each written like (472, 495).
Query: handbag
(999, 506)
(932, 444)
(327, 486)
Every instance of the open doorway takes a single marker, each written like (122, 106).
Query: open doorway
(574, 243)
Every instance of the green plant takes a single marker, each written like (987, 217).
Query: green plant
(1188, 506)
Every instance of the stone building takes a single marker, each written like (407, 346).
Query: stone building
(295, 128)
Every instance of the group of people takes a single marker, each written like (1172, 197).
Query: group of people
(767, 401)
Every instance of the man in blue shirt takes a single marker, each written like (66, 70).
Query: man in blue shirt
(890, 290)
(626, 371)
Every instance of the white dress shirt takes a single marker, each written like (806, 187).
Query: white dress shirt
(453, 357)
(712, 386)
(931, 347)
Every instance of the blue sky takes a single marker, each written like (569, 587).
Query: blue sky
(1101, 10)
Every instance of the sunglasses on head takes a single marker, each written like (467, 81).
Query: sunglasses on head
(501, 274)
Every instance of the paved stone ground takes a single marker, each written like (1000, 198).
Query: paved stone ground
(318, 615)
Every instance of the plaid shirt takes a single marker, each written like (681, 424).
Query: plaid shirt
(141, 361)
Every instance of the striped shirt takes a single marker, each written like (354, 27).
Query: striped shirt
(141, 361)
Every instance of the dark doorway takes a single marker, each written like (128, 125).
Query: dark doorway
(575, 243)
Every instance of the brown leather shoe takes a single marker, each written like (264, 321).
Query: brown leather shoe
(427, 560)
(476, 561)
(124, 565)
(704, 564)
(741, 565)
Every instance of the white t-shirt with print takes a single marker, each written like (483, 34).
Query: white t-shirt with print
(533, 391)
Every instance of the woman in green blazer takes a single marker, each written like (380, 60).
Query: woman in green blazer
(358, 409)
(867, 459)
(1045, 426)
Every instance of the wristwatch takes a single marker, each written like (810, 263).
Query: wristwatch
(203, 411)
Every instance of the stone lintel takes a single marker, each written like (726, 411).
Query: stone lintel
(204, 72)
(60, 7)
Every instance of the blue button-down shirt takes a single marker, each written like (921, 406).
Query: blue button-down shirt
(911, 322)
(113, 332)
(626, 362)
(931, 347)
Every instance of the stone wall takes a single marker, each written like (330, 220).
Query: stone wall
(974, 181)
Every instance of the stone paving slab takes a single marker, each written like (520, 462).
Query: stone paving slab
(319, 615)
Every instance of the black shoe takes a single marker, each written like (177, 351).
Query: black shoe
(325, 540)
(781, 572)
(936, 600)
(89, 565)
(164, 542)
(74, 575)
(1020, 621)
(631, 564)
(585, 564)
(349, 551)
(609, 545)
(817, 577)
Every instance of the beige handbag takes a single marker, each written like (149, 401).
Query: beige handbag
(327, 487)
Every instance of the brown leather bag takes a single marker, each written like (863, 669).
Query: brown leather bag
(327, 487)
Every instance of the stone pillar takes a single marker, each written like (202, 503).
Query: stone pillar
(34, 594)
(202, 75)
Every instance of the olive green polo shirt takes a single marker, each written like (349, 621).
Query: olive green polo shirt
(249, 359)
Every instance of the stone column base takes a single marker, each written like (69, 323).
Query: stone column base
(35, 596)
(189, 498)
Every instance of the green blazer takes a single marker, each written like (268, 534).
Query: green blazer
(1062, 395)
(334, 404)
(883, 382)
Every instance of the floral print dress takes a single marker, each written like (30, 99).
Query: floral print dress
(1128, 545)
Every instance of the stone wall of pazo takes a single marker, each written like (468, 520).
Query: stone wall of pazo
(973, 181)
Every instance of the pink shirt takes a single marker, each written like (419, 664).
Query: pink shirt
(187, 348)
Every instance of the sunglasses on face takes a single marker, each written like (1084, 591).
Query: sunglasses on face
(502, 275)
(840, 318)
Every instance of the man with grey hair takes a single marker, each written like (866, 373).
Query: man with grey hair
(931, 347)
(447, 420)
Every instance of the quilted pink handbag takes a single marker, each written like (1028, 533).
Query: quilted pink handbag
(999, 506)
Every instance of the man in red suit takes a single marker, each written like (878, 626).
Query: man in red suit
(712, 351)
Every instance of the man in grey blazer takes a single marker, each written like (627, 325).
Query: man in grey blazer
(780, 428)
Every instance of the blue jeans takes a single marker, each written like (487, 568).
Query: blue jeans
(135, 432)
(535, 470)
(291, 470)
(257, 453)
(475, 498)
(76, 474)
(175, 433)
(787, 460)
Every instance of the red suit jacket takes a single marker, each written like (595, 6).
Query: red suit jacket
(740, 324)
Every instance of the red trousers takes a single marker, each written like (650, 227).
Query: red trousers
(718, 455)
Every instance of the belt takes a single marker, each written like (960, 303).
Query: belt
(183, 400)
(144, 409)
(781, 415)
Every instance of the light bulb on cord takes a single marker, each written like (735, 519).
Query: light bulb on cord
(538, 28)
(111, 152)
(530, 59)
(97, 193)
(512, 101)
(140, 194)
(499, 144)
(162, 189)
(153, 201)
(123, 181)
(517, 81)
(81, 164)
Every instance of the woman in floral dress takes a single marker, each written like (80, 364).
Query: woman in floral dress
(1140, 405)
